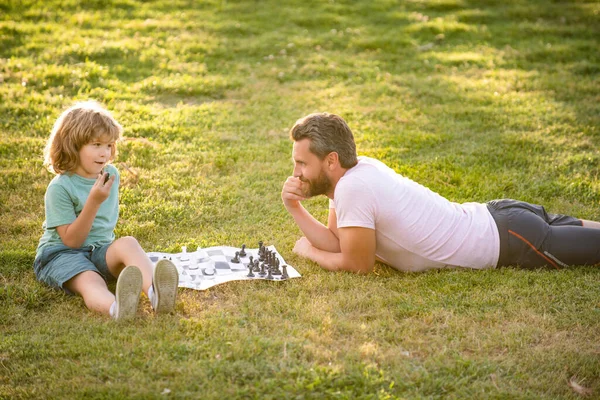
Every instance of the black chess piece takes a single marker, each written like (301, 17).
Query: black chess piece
(262, 270)
(250, 273)
(236, 259)
(256, 267)
(284, 274)
(276, 270)
(243, 252)
(270, 275)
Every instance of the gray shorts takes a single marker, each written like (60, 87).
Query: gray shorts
(530, 237)
(56, 264)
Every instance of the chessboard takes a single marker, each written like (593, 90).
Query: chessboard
(205, 268)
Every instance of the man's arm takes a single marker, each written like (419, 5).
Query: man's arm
(357, 251)
(318, 234)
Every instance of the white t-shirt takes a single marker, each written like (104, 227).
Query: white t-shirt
(416, 229)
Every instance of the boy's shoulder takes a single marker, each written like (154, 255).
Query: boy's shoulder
(111, 169)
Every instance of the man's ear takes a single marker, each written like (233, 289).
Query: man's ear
(333, 159)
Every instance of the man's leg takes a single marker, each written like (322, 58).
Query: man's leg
(591, 224)
(535, 238)
(573, 245)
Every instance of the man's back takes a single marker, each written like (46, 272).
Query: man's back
(416, 229)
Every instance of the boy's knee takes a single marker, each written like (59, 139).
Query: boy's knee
(129, 242)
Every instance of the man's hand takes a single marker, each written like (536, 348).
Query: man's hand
(292, 193)
(303, 247)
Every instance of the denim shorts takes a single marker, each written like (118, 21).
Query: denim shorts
(56, 264)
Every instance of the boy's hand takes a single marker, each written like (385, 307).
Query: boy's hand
(292, 193)
(101, 190)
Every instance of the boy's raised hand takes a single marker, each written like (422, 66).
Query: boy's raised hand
(101, 189)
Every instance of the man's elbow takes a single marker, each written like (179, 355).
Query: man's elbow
(359, 268)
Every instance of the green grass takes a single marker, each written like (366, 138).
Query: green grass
(476, 100)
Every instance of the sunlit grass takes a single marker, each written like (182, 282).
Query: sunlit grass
(476, 101)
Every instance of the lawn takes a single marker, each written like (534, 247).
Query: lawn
(475, 99)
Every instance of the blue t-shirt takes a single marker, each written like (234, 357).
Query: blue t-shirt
(65, 197)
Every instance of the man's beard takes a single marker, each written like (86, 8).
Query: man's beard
(315, 187)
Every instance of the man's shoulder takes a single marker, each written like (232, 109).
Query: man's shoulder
(365, 171)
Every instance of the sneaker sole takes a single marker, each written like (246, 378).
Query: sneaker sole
(129, 287)
(165, 282)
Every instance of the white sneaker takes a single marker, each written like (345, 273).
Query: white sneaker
(164, 281)
(129, 287)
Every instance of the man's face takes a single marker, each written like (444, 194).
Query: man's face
(310, 169)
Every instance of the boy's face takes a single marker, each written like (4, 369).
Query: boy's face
(93, 156)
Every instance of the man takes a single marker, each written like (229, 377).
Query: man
(377, 214)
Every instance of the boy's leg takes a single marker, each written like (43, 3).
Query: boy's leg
(160, 283)
(92, 287)
(127, 251)
(164, 286)
(129, 286)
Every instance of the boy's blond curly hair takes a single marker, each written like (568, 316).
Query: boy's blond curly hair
(76, 127)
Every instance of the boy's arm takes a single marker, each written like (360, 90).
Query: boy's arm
(75, 233)
(357, 251)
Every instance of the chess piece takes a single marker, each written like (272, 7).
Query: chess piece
(236, 259)
(270, 275)
(243, 252)
(256, 267)
(262, 270)
(284, 274)
(276, 270)
(250, 273)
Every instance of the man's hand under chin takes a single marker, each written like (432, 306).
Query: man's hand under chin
(292, 192)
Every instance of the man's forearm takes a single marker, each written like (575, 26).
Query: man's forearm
(336, 261)
(317, 234)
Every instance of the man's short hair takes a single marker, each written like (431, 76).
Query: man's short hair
(327, 133)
